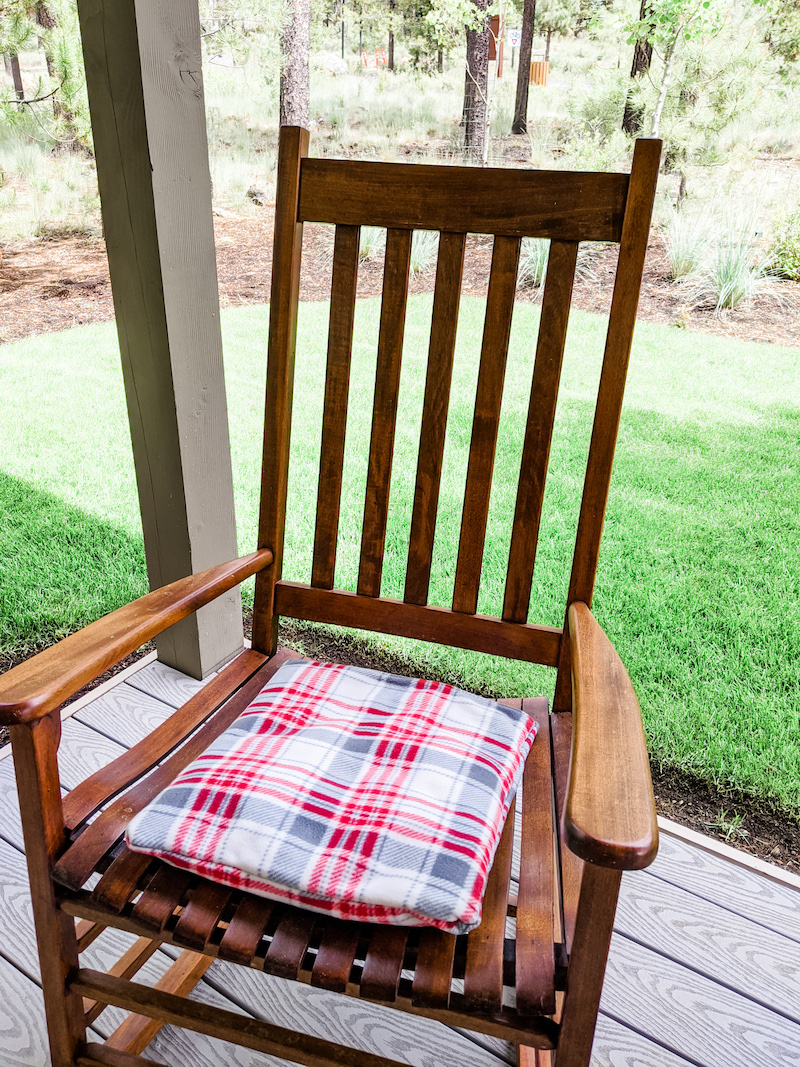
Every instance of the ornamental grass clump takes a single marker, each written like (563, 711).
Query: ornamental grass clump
(686, 236)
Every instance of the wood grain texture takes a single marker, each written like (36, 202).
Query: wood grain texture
(622, 318)
(565, 206)
(738, 890)
(485, 423)
(335, 956)
(732, 950)
(286, 252)
(397, 263)
(692, 1015)
(539, 428)
(43, 682)
(165, 683)
(124, 714)
(483, 633)
(483, 977)
(571, 866)
(334, 417)
(434, 969)
(446, 298)
(535, 962)
(610, 814)
(23, 1031)
(616, 1045)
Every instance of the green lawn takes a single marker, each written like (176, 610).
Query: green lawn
(699, 581)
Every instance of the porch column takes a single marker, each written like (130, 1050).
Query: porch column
(145, 89)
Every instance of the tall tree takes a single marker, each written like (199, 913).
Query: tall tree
(633, 116)
(295, 46)
(520, 123)
(476, 80)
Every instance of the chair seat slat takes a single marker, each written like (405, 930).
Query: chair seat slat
(335, 956)
(480, 467)
(447, 294)
(381, 975)
(535, 956)
(571, 865)
(384, 415)
(245, 930)
(539, 428)
(434, 969)
(201, 915)
(483, 976)
(290, 942)
(121, 880)
(337, 387)
(163, 894)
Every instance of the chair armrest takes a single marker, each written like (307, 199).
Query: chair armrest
(37, 686)
(610, 814)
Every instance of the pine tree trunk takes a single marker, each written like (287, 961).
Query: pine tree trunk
(440, 61)
(390, 52)
(633, 116)
(520, 123)
(12, 69)
(295, 44)
(547, 47)
(476, 85)
(666, 81)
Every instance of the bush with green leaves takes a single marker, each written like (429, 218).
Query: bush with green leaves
(785, 248)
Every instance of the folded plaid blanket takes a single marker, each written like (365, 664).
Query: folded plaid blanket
(346, 791)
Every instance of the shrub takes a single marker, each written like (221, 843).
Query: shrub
(686, 236)
(736, 271)
(533, 262)
(785, 249)
(424, 244)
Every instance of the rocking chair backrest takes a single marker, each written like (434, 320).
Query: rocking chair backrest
(566, 208)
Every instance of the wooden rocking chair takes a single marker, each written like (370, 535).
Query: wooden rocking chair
(587, 809)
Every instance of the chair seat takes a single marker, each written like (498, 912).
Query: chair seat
(504, 970)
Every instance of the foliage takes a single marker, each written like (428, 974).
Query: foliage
(533, 262)
(424, 246)
(736, 269)
(686, 236)
(785, 248)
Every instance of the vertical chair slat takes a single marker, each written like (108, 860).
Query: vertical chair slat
(293, 146)
(622, 318)
(245, 930)
(447, 295)
(539, 428)
(337, 387)
(494, 352)
(334, 961)
(384, 414)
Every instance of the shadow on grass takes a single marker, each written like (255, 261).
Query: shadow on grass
(60, 569)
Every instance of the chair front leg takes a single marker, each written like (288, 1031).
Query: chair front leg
(35, 748)
(594, 924)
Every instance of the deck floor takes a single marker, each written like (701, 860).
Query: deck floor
(704, 966)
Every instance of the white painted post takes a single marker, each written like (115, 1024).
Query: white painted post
(145, 90)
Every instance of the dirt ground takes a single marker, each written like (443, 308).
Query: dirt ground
(46, 286)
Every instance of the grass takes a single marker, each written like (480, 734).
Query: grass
(699, 580)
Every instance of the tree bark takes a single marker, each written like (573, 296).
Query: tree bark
(295, 45)
(520, 123)
(633, 116)
(547, 47)
(476, 84)
(666, 81)
(390, 50)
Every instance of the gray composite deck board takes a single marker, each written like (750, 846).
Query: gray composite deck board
(704, 968)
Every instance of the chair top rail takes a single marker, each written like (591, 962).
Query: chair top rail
(571, 206)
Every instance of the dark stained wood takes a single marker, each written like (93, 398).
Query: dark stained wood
(334, 419)
(292, 147)
(381, 975)
(434, 969)
(80, 860)
(126, 967)
(335, 956)
(570, 865)
(36, 769)
(226, 1025)
(561, 205)
(483, 977)
(539, 429)
(622, 318)
(483, 633)
(245, 930)
(384, 412)
(86, 933)
(610, 814)
(122, 878)
(494, 352)
(447, 294)
(163, 894)
(43, 682)
(289, 943)
(535, 957)
(97, 1055)
(201, 915)
(137, 1031)
(89, 795)
(587, 965)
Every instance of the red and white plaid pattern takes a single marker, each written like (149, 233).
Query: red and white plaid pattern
(350, 792)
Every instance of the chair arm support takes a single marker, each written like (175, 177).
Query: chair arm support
(43, 682)
(610, 814)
